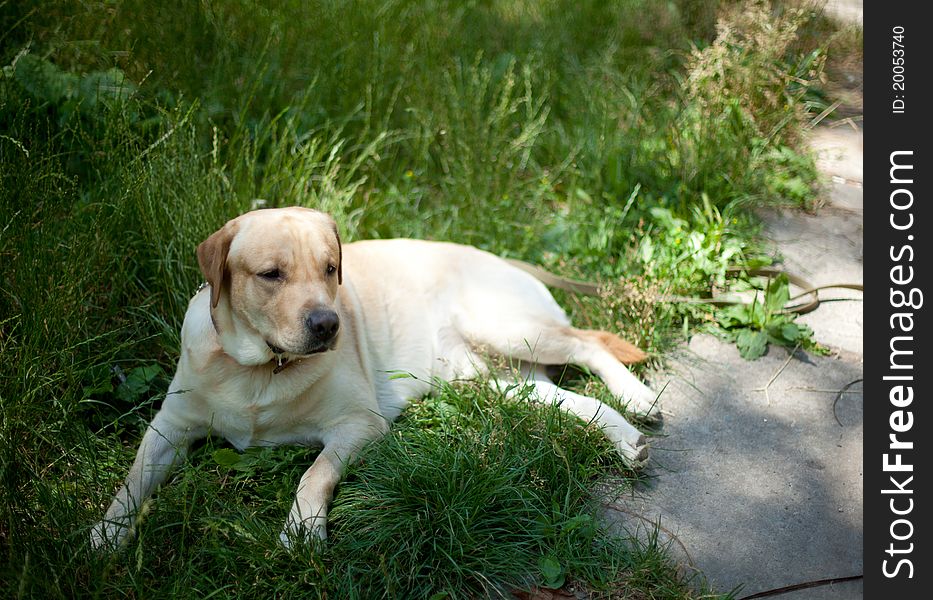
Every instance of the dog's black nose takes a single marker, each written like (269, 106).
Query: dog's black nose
(323, 324)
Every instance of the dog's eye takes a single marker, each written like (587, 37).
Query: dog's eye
(271, 274)
(331, 269)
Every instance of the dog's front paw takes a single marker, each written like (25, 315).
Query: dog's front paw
(109, 535)
(303, 531)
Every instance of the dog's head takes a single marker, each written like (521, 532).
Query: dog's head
(274, 275)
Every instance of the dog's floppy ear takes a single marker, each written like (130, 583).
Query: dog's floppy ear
(212, 258)
(339, 256)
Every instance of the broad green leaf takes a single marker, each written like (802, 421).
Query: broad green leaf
(790, 332)
(736, 314)
(551, 571)
(137, 383)
(226, 457)
(752, 344)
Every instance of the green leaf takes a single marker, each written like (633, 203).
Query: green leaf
(226, 457)
(98, 381)
(137, 383)
(146, 373)
(790, 332)
(752, 344)
(736, 314)
(777, 294)
(582, 525)
(551, 572)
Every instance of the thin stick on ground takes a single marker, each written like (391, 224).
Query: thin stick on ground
(839, 393)
(776, 375)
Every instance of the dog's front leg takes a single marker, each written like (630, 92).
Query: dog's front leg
(308, 516)
(163, 445)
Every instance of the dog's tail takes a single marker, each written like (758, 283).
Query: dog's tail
(626, 353)
(556, 281)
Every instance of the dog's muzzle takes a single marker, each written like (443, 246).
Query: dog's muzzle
(323, 325)
(321, 329)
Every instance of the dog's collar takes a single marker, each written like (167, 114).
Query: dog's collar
(281, 362)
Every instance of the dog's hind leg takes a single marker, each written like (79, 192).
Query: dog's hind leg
(511, 314)
(607, 355)
(603, 353)
(628, 441)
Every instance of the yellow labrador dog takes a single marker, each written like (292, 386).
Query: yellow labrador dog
(295, 339)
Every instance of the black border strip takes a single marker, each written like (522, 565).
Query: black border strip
(897, 121)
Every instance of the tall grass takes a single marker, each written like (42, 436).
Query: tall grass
(567, 133)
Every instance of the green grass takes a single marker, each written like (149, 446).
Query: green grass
(564, 133)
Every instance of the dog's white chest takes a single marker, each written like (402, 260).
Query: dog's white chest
(266, 413)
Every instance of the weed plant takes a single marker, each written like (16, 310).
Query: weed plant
(622, 142)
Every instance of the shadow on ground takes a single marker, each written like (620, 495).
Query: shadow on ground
(760, 490)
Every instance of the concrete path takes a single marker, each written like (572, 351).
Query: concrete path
(826, 248)
(757, 480)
